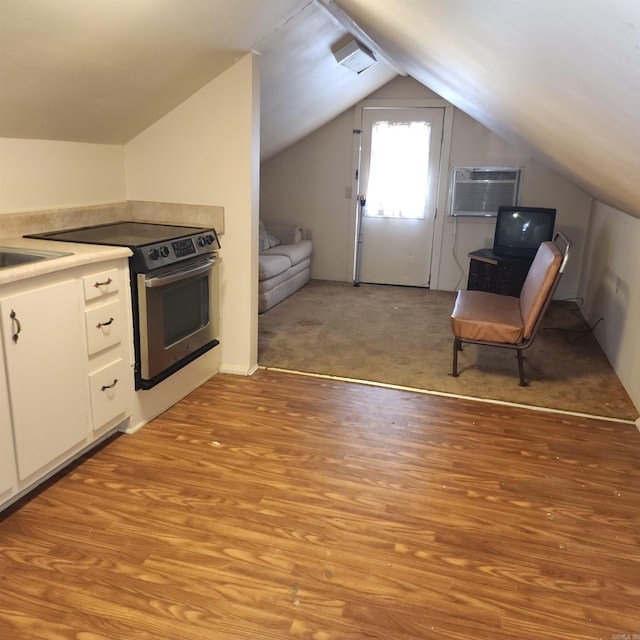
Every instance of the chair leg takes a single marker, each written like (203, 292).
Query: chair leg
(457, 346)
(523, 382)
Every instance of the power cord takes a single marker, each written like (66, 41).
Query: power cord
(581, 334)
(453, 252)
(586, 332)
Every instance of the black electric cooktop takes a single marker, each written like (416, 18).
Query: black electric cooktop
(121, 234)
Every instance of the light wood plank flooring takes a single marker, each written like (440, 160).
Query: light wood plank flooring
(282, 506)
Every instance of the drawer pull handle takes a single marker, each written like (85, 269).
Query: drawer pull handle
(103, 284)
(14, 320)
(104, 324)
(104, 387)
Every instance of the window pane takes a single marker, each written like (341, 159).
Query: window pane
(399, 169)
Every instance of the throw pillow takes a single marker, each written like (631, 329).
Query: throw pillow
(267, 239)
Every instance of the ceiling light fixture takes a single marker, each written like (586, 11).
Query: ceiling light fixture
(354, 55)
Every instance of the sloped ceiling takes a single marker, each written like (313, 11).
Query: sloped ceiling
(103, 70)
(562, 76)
(302, 86)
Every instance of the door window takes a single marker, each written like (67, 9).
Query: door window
(399, 169)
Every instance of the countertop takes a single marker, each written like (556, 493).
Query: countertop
(77, 255)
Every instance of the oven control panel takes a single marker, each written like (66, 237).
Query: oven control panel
(184, 248)
(161, 254)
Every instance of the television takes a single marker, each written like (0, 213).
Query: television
(521, 230)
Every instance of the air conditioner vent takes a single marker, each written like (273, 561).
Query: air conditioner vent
(491, 175)
(479, 191)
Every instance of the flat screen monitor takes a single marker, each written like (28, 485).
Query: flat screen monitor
(521, 230)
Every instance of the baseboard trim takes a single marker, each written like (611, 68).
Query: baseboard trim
(239, 371)
(457, 396)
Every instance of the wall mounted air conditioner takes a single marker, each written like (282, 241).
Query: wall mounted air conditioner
(479, 191)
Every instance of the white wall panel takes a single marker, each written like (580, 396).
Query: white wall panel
(206, 152)
(48, 174)
(609, 284)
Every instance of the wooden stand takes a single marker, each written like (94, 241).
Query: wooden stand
(498, 274)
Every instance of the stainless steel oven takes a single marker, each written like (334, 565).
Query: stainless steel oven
(174, 290)
(177, 311)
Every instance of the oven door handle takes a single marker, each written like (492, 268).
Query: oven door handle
(161, 281)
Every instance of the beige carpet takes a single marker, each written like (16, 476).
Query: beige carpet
(402, 336)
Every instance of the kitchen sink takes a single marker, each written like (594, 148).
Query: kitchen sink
(10, 257)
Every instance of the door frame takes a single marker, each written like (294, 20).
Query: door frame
(443, 179)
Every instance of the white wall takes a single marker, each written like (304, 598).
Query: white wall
(48, 174)
(475, 145)
(206, 152)
(609, 285)
(306, 185)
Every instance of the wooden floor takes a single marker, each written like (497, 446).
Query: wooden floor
(282, 506)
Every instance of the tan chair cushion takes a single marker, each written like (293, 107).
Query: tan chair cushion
(488, 317)
(539, 280)
(491, 317)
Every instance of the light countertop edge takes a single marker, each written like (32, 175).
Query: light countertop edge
(76, 255)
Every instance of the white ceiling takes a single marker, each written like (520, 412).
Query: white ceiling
(104, 70)
(562, 76)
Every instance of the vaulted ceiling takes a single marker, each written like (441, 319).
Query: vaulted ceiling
(104, 70)
(561, 76)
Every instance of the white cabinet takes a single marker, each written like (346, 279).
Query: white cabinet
(66, 369)
(107, 320)
(8, 475)
(110, 393)
(104, 326)
(46, 359)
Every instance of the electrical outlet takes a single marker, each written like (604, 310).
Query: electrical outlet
(618, 284)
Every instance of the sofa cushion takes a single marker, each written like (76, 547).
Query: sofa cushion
(274, 281)
(295, 252)
(286, 233)
(272, 265)
(267, 239)
(267, 299)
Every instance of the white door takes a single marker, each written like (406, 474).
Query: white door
(399, 173)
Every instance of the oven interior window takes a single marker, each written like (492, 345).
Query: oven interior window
(186, 309)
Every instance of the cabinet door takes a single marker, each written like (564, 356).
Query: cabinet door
(47, 373)
(8, 477)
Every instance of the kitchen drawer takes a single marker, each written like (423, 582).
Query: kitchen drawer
(104, 326)
(110, 393)
(101, 284)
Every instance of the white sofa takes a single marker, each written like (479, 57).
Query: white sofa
(284, 263)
